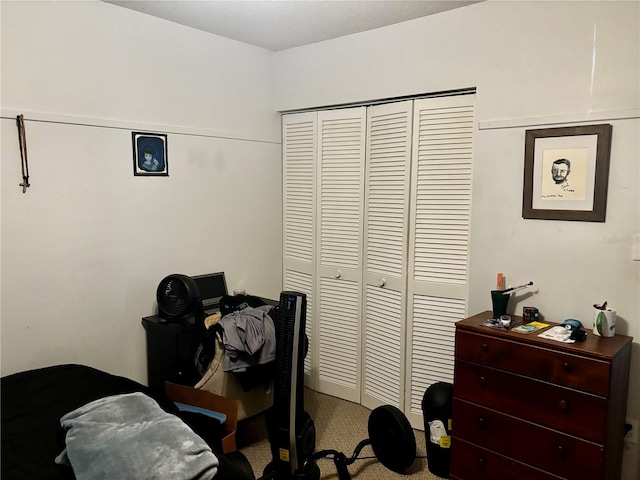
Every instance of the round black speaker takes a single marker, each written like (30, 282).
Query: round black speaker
(392, 438)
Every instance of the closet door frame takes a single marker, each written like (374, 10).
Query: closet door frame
(337, 294)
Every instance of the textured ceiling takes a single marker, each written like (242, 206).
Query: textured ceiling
(281, 24)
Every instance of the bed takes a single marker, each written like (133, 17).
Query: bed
(33, 403)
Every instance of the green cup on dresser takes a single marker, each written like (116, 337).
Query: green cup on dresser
(499, 302)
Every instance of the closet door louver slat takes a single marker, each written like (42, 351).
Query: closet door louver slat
(341, 180)
(338, 367)
(432, 343)
(384, 347)
(299, 150)
(439, 241)
(341, 146)
(385, 259)
(303, 282)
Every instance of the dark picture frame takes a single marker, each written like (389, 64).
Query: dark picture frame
(150, 154)
(566, 173)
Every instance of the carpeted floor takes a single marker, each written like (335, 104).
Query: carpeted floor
(340, 425)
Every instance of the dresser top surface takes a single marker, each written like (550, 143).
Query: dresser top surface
(593, 345)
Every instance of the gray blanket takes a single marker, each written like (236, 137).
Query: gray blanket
(129, 437)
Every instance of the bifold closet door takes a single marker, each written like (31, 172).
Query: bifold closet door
(387, 183)
(341, 157)
(439, 241)
(299, 145)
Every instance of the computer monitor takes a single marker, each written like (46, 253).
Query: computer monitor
(212, 287)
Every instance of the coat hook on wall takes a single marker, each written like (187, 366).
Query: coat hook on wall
(22, 138)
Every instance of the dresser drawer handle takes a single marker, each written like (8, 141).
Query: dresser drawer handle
(567, 367)
(564, 405)
(561, 451)
(485, 347)
(482, 423)
(481, 463)
(482, 381)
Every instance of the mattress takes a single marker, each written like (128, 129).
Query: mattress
(33, 403)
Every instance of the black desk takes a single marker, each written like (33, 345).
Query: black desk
(171, 349)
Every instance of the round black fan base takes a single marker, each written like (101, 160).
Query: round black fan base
(311, 471)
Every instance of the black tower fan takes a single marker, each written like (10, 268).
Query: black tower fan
(291, 430)
(178, 296)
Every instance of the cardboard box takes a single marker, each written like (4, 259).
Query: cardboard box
(210, 401)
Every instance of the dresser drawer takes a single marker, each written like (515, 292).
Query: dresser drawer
(582, 373)
(571, 411)
(476, 463)
(548, 449)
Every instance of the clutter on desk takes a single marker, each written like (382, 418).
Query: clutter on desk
(572, 324)
(575, 327)
(604, 320)
(578, 335)
(530, 314)
(530, 327)
(559, 334)
(499, 303)
(493, 323)
(500, 296)
(505, 322)
(515, 289)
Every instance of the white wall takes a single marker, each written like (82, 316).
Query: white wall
(533, 64)
(85, 248)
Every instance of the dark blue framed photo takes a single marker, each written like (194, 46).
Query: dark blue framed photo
(150, 154)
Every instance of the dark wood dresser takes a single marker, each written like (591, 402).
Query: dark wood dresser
(528, 408)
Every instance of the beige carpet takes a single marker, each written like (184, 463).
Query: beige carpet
(340, 425)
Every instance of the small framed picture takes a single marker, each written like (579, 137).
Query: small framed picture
(150, 154)
(566, 173)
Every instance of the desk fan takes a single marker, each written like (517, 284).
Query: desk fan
(178, 296)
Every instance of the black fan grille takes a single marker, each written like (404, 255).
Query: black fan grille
(174, 296)
(392, 438)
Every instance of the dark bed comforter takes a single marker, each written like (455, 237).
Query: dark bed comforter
(33, 403)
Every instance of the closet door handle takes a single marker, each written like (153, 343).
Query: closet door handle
(381, 282)
(338, 274)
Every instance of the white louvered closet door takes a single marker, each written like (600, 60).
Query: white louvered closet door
(387, 185)
(299, 144)
(439, 241)
(341, 148)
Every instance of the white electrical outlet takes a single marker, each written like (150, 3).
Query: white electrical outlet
(632, 435)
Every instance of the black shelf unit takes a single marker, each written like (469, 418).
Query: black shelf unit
(171, 349)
